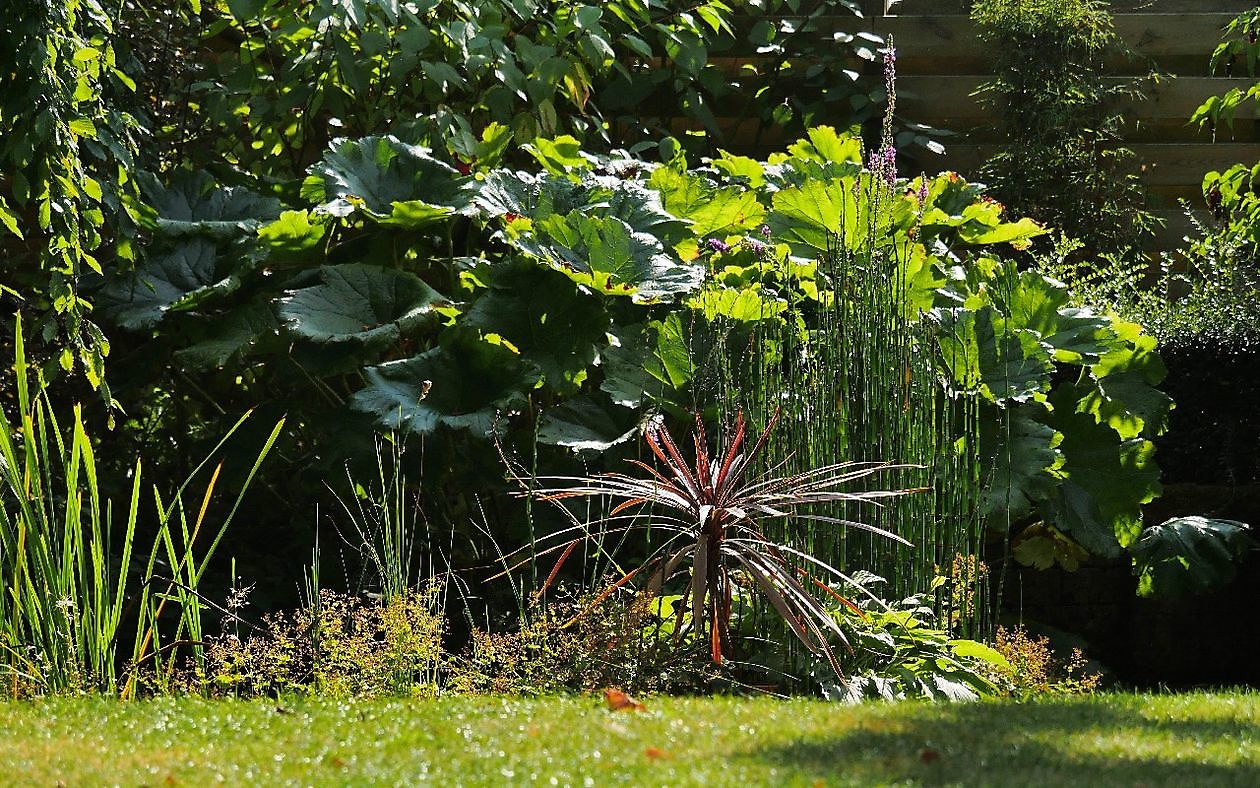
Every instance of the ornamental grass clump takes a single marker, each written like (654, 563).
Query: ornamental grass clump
(713, 513)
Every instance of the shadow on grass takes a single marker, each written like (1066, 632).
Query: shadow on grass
(1067, 743)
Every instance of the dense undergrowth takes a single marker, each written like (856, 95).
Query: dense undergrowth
(392, 292)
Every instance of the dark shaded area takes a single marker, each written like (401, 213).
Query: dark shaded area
(980, 744)
(1210, 457)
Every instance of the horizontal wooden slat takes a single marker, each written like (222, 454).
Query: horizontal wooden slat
(923, 7)
(953, 38)
(1159, 164)
(948, 101)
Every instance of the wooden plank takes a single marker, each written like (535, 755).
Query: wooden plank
(953, 37)
(1158, 164)
(949, 101)
(1118, 7)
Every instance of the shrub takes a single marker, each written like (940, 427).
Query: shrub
(341, 646)
(1062, 159)
(1036, 669)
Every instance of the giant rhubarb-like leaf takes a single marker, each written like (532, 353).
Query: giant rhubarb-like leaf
(360, 303)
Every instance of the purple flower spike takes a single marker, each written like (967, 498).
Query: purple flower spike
(764, 230)
(717, 245)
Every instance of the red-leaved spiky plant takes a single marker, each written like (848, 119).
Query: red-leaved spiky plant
(716, 529)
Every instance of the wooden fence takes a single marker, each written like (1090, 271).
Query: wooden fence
(941, 62)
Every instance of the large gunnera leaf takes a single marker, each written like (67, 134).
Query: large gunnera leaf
(360, 303)
(608, 256)
(464, 385)
(238, 330)
(193, 203)
(588, 423)
(183, 278)
(982, 352)
(543, 314)
(1189, 554)
(542, 195)
(1125, 377)
(1026, 452)
(389, 181)
(1106, 478)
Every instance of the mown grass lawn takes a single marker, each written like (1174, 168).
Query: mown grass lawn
(1131, 740)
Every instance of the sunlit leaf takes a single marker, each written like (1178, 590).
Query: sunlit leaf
(1189, 554)
(388, 180)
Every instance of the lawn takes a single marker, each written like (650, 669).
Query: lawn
(1193, 739)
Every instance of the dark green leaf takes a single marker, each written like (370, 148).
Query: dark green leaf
(388, 180)
(359, 303)
(1026, 453)
(469, 382)
(194, 204)
(177, 280)
(608, 256)
(586, 423)
(1189, 555)
(543, 314)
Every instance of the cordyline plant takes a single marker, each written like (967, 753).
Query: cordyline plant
(714, 520)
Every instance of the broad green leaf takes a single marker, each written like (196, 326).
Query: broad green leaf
(533, 195)
(626, 380)
(747, 305)
(811, 215)
(608, 256)
(542, 313)
(1041, 547)
(727, 212)
(376, 174)
(982, 352)
(971, 649)
(678, 349)
(360, 303)
(236, 331)
(1106, 478)
(192, 203)
(1019, 234)
(1026, 453)
(740, 167)
(183, 278)
(1189, 555)
(558, 156)
(464, 384)
(826, 146)
(293, 234)
(1124, 395)
(1034, 302)
(586, 423)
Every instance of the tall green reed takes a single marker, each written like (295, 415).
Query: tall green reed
(66, 560)
(855, 376)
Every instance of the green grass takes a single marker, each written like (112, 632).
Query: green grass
(1186, 740)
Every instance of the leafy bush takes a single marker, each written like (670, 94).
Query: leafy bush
(280, 79)
(67, 146)
(902, 651)
(1034, 668)
(341, 646)
(1062, 160)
